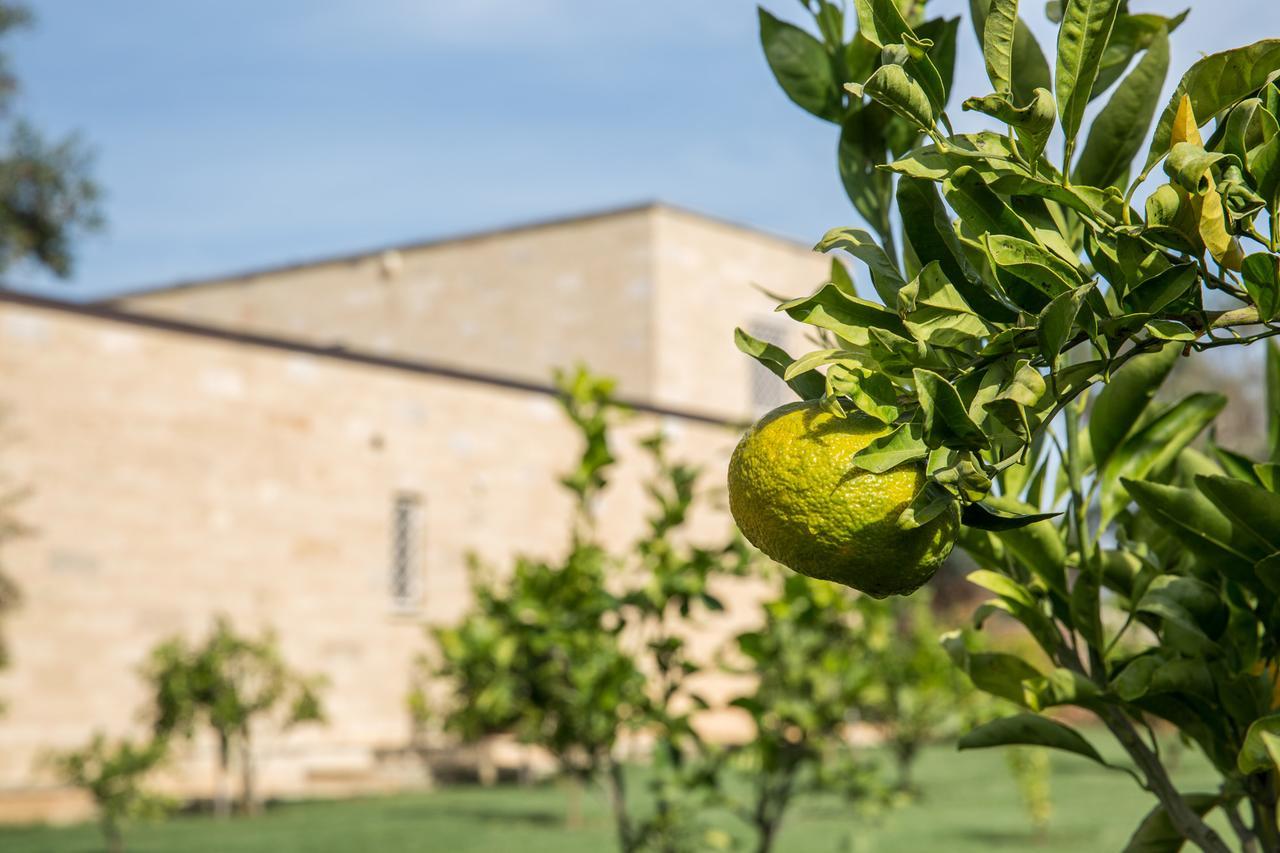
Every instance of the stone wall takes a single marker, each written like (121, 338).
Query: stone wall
(175, 476)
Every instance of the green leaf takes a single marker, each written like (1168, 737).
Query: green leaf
(1082, 38)
(1038, 546)
(1045, 271)
(892, 87)
(847, 316)
(1029, 730)
(871, 391)
(801, 66)
(881, 23)
(861, 150)
(997, 43)
(931, 502)
(1033, 123)
(1261, 748)
(1057, 322)
(1255, 509)
(1030, 70)
(1157, 834)
(1171, 330)
(1214, 83)
(1195, 522)
(885, 276)
(1262, 281)
(1156, 293)
(985, 517)
(946, 422)
(1273, 400)
(928, 230)
(807, 386)
(1119, 406)
(1118, 131)
(1156, 445)
(903, 444)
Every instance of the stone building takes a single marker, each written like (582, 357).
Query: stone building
(317, 447)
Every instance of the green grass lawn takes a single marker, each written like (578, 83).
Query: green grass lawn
(969, 803)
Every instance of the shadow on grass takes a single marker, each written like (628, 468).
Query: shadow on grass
(1022, 839)
(527, 817)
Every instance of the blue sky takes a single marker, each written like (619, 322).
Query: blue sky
(239, 134)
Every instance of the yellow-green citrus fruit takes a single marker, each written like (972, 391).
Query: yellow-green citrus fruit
(795, 496)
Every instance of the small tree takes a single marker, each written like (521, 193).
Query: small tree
(230, 683)
(813, 680)
(112, 773)
(573, 654)
(916, 695)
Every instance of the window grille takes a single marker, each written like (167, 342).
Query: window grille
(767, 390)
(406, 532)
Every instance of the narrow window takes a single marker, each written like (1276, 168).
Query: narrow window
(406, 532)
(767, 390)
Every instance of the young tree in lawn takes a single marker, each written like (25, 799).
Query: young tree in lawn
(1030, 276)
(813, 679)
(113, 773)
(231, 683)
(574, 654)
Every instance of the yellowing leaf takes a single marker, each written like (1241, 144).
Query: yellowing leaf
(1212, 224)
(1185, 128)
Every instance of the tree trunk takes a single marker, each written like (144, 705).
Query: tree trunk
(222, 784)
(617, 783)
(112, 835)
(905, 755)
(248, 794)
(1188, 824)
(1263, 805)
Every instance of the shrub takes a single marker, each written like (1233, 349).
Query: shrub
(1024, 282)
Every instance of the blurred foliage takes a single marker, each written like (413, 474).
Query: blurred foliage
(112, 773)
(573, 655)
(231, 683)
(813, 676)
(47, 197)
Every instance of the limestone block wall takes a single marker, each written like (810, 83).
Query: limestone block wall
(649, 295)
(709, 280)
(175, 476)
(514, 303)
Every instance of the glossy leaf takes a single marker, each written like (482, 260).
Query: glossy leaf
(1254, 508)
(807, 386)
(1212, 84)
(997, 43)
(1195, 522)
(1261, 748)
(1156, 445)
(946, 422)
(903, 444)
(1082, 38)
(1029, 68)
(892, 87)
(801, 66)
(1029, 730)
(1157, 834)
(986, 517)
(1261, 273)
(885, 276)
(1117, 409)
(847, 316)
(1117, 133)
